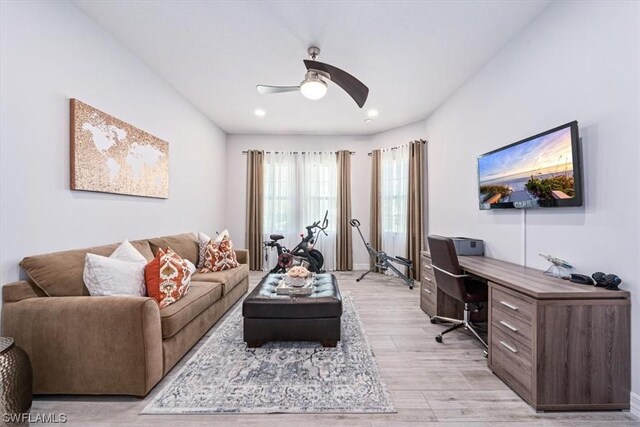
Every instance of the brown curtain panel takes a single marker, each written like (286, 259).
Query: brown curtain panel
(375, 232)
(344, 244)
(415, 206)
(255, 207)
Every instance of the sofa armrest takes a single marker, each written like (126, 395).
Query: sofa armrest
(17, 291)
(242, 255)
(88, 345)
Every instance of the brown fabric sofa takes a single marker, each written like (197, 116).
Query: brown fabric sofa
(79, 344)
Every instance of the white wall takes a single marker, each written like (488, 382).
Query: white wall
(51, 51)
(360, 177)
(577, 60)
(400, 135)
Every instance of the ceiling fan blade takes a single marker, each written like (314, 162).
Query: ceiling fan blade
(354, 87)
(264, 89)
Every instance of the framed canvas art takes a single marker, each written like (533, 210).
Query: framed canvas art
(111, 156)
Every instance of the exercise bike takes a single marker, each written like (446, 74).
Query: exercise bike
(303, 253)
(383, 261)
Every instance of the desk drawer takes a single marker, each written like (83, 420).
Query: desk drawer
(511, 359)
(428, 277)
(427, 299)
(515, 305)
(425, 267)
(512, 326)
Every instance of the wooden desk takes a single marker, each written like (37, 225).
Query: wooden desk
(559, 345)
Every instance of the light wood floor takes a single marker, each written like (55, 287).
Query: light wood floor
(444, 384)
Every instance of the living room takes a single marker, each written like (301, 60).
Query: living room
(452, 81)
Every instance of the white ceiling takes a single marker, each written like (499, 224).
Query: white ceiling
(411, 55)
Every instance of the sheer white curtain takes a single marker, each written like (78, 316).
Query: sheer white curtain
(280, 201)
(394, 201)
(298, 189)
(319, 194)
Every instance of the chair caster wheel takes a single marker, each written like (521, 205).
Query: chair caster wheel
(434, 320)
(410, 287)
(439, 338)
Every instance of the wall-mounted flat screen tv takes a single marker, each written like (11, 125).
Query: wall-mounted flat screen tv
(541, 171)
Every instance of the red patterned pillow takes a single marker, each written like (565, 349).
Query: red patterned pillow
(219, 256)
(167, 277)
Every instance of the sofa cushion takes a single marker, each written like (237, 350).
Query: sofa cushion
(144, 248)
(185, 245)
(229, 278)
(59, 274)
(200, 297)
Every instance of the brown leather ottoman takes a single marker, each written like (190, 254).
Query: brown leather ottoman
(272, 317)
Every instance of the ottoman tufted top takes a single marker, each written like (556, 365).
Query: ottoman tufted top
(324, 301)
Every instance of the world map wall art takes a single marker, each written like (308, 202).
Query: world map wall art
(111, 156)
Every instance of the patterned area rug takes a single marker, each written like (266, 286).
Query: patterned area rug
(224, 376)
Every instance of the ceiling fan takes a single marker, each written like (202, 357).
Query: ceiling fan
(314, 87)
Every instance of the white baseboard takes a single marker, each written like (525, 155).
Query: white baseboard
(635, 404)
(360, 267)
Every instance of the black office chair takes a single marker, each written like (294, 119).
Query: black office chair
(450, 279)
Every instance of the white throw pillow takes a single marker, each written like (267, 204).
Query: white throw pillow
(222, 236)
(127, 252)
(203, 241)
(120, 274)
(192, 268)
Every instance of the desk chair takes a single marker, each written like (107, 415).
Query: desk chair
(452, 281)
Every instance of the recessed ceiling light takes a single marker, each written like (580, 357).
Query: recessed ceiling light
(372, 113)
(259, 112)
(368, 121)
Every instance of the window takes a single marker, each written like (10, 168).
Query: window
(298, 190)
(394, 200)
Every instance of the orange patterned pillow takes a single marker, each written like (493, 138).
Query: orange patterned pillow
(219, 256)
(167, 277)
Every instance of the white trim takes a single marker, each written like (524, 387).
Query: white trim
(360, 267)
(635, 404)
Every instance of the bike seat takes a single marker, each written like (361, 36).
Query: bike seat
(276, 237)
(408, 261)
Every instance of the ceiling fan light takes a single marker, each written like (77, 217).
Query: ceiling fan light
(313, 87)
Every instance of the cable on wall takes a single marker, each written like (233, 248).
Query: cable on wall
(524, 237)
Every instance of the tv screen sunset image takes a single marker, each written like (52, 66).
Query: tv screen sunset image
(530, 174)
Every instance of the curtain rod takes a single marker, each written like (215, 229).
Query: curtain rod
(297, 152)
(424, 141)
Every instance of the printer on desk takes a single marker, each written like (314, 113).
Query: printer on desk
(468, 247)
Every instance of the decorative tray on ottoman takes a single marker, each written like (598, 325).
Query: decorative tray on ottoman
(295, 286)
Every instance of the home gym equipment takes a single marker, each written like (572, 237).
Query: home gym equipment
(303, 253)
(383, 261)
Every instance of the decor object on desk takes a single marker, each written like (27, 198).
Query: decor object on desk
(15, 378)
(111, 156)
(609, 281)
(560, 268)
(223, 376)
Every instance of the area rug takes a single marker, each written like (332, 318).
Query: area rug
(224, 376)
